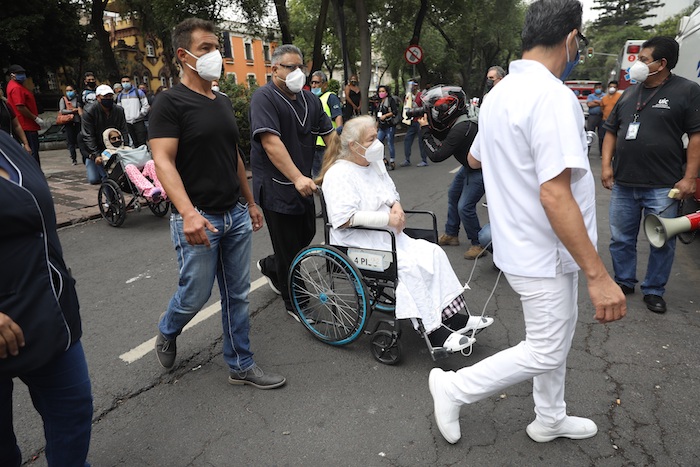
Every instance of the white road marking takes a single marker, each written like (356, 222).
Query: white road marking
(454, 171)
(142, 350)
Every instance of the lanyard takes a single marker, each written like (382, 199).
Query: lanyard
(640, 105)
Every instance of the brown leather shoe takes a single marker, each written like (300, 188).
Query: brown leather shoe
(448, 240)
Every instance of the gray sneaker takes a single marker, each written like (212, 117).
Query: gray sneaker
(166, 351)
(255, 376)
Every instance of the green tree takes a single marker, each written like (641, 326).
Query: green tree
(625, 12)
(669, 26)
(240, 96)
(42, 36)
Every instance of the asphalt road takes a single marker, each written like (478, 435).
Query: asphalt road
(637, 378)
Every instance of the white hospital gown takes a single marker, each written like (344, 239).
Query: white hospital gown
(427, 282)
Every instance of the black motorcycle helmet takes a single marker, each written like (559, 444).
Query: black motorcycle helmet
(443, 105)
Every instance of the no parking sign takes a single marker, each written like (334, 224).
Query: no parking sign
(413, 54)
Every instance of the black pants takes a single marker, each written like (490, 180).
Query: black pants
(72, 132)
(289, 233)
(138, 133)
(33, 139)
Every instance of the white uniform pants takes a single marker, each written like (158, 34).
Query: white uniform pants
(550, 309)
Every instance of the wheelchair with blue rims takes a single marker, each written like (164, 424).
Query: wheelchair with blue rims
(335, 289)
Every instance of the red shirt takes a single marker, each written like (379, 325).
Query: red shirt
(19, 95)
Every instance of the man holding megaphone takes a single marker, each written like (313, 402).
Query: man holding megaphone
(647, 174)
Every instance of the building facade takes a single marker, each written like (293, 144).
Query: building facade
(246, 55)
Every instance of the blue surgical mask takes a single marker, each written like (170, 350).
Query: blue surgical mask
(317, 91)
(598, 92)
(126, 86)
(570, 65)
(20, 77)
(70, 94)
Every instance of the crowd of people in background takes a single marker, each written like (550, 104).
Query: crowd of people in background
(543, 234)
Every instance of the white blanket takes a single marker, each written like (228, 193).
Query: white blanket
(427, 282)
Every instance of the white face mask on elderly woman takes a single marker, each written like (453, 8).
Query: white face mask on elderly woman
(375, 151)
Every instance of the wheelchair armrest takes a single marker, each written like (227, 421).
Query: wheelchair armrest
(425, 234)
(386, 231)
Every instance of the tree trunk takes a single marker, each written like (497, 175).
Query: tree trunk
(283, 20)
(415, 40)
(318, 37)
(365, 54)
(96, 20)
(340, 21)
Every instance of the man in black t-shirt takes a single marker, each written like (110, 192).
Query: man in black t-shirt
(194, 139)
(446, 131)
(284, 124)
(644, 132)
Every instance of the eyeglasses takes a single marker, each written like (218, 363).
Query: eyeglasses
(583, 42)
(315, 82)
(292, 67)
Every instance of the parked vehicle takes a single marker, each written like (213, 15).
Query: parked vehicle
(689, 40)
(582, 89)
(628, 55)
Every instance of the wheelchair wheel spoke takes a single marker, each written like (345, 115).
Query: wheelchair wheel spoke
(328, 292)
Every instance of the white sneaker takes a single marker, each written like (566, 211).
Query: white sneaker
(446, 411)
(456, 342)
(570, 427)
(476, 323)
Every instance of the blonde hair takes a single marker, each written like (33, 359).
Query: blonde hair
(339, 148)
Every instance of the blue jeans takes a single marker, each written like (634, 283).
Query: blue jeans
(411, 133)
(388, 132)
(464, 193)
(485, 237)
(627, 205)
(227, 259)
(95, 173)
(61, 393)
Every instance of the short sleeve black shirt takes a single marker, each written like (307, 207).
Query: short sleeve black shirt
(297, 122)
(656, 157)
(207, 133)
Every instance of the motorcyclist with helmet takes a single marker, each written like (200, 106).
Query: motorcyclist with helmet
(448, 127)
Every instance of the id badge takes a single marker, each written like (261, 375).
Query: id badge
(632, 131)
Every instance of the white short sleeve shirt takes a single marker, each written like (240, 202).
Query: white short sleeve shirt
(531, 129)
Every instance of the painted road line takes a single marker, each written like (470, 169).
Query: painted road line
(142, 350)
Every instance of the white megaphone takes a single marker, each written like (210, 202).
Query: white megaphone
(658, 229)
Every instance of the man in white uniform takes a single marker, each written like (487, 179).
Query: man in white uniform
(543, 232)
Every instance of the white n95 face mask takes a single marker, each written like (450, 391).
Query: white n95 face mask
(208, 65)
(375, 151)
(639, 71)
(295, 81)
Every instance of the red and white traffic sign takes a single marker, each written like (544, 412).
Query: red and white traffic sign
(413, 54)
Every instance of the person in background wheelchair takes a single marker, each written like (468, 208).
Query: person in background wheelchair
(153, 191)
(359, 192)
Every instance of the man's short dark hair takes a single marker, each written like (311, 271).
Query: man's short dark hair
(89, 74)
(182, 34)
(663, 47)
(127, 77)
(548, 22)
(612, 81)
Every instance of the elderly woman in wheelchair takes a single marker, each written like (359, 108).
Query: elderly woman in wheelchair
(365, 218)
(114, 142)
